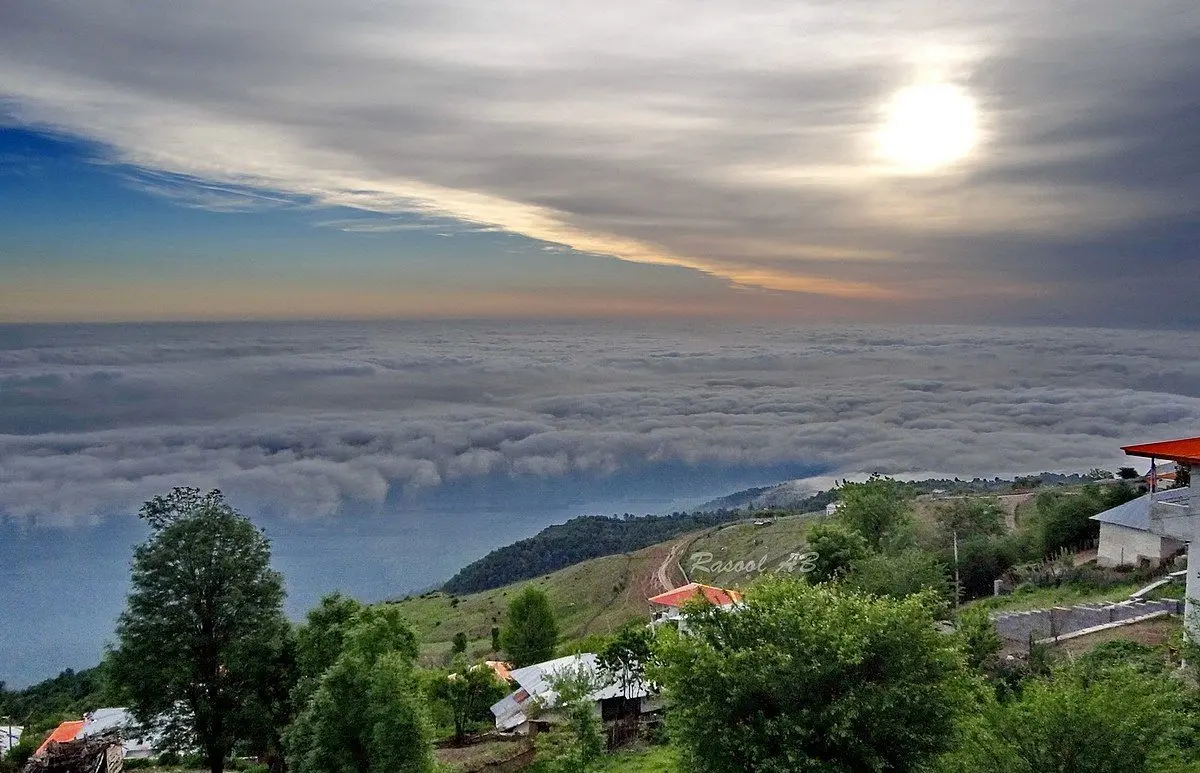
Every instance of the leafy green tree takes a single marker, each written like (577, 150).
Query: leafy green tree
(495, 638)
(203, 614)
(978, 637)
(365, 715)
(813, 678)
(530, 633)
(459, 645)
(910, 572)
(1127, 473)
(466, 693)
(624, 660)
(971, 517)
(1115, 719)
(876, 509)
(320, 639)
(837, 549)
(1183, 476)
(581, 746)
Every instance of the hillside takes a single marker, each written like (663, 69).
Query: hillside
(600, 595)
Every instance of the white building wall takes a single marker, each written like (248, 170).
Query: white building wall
(1121, 545)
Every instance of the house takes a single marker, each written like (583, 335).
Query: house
(532, 706)
(101, 721)
(1173, 513)
(1125, 535)
(670, 604)
(10, 736)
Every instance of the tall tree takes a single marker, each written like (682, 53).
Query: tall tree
(466, 692)
(320, 639)
(203, 614)
(813, 678)
(365, 715)
(837, 549)
(530, 632)
(876, 508)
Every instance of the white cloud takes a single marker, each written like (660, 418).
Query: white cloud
(300, 419)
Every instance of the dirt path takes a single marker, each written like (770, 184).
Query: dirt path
(663, 574)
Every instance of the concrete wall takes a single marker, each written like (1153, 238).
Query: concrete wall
(1121, 545)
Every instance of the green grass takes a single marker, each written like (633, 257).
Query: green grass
(1063, 595)
(745, 542)
(654, 759)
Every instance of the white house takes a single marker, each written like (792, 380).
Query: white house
(1126, 537)
(532, 705)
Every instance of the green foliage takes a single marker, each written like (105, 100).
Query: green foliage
(40, 707)
(814, 679)
(837, 547)
(626, 658)
(320, 639)
(1102, 719)
(981, 559)
(465, 694)
(1127, 473)
(907, 573)
(580, 747)
(204, 612)
(978, 638)
(1063, 520)
(971, 516)
(562, 545)
(495, 638)
(365, 715)
(876, 509)
(459, 644)
(530, 633)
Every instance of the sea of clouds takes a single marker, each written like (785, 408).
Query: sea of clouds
(304, 419)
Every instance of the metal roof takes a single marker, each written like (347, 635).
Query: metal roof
(1135, 514)
(1186, 450)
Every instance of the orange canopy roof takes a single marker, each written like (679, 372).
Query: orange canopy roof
(1186, 450)
(680, 596)
(63, 733)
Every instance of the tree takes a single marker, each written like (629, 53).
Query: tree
(837, 549)
(582, 745)
(530, 632)
(1183, 475)
(978, 637)
(200, 621)
(971, 517)
(814, 678)
(495, 638)
(875, 509)
(467, 692)
(907, 573)
(1115, 719)
(319, 641)
(1127, 473)
(365, 716)
(624, 660)
(459, 645)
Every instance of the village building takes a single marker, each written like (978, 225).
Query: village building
(669, 605)
(100, 722)
(1126, 538)
(533, 705)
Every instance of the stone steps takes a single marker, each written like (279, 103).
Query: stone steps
(1046, 623)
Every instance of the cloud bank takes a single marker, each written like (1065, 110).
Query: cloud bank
(302, 419)
(733, 138)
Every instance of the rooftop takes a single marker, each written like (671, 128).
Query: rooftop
(1184, 450)
(680, 596)
(1135, 514)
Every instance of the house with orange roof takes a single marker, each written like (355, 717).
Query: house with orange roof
(669, 605)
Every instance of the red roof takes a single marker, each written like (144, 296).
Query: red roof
(63, 733)
(680, 596)
(1186, 450)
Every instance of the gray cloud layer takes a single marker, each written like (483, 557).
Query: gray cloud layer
(301, 418)
(732, 137)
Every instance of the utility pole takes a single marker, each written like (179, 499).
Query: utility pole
(957, 581)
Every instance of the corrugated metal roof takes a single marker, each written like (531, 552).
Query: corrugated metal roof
(10, 736)
(1135, 514)
(536, 683)
(1186, 450)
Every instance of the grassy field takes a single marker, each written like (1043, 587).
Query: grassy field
(1064, 595)
(654, 759)
(766, 545)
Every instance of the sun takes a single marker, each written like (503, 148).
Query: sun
(928, 127)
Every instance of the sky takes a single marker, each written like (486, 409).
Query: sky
(1024, 162)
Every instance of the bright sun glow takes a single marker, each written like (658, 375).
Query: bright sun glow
(928, 127)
